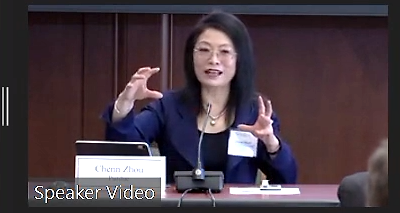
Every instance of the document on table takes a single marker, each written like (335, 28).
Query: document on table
(254, 190)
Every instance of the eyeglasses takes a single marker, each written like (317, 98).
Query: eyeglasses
(206, 53)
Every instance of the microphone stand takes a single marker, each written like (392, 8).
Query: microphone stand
(198, 172)
(199, 180)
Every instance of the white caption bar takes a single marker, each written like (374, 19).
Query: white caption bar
(4, 106)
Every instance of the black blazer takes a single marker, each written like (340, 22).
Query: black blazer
(353, 189)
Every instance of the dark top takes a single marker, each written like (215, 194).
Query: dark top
(215, 151)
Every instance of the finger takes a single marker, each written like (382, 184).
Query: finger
(153, 71)
(246, 128)
(138, 76)
(148, 72)
(143, 70)
(269, 109)
(261, 106)
(154, 94)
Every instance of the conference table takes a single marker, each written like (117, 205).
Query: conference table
(318, 195)
(310, 195)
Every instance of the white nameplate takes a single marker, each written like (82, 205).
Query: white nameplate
(108, 172)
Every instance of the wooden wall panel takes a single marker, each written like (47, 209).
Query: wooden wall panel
(98, 72)
(181, 27)
(139, 46)
(55, 93)
(327, 78)
(73, 76)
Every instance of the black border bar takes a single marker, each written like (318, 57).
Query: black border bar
(333, 10)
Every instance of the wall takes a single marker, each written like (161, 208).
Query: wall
(327, 78)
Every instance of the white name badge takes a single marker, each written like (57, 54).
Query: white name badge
(242, 144)
(107, 173)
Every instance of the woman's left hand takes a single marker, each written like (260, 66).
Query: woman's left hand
(262, 128)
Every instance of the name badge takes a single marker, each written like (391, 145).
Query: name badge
(114, 173)
(242, 144)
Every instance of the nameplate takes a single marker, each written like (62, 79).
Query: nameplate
(140, 172)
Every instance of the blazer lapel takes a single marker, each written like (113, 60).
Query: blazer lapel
(185, 136)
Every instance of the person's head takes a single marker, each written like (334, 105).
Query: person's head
(378, 186)
(220, 44)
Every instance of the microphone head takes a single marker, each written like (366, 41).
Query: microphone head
(198, 174)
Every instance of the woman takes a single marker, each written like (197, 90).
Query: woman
(219, 69)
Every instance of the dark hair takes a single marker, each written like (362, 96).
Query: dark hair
(378, 186)
(242, 88)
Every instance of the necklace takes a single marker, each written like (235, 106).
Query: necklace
(215, 118)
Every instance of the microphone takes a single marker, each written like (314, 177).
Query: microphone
(199, 180)
(198, 173)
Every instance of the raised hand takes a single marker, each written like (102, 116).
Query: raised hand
(262, 128)
(136, 89)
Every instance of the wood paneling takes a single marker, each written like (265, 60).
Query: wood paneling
(98, 72)
(327, 78)
(55, 92)
(181, 27)
(72, 77)
(139, 46)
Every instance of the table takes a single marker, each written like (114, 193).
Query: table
(310, 196)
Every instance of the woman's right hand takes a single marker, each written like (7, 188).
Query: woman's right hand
(136, 89)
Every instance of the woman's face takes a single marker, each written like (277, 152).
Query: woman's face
(214, 58)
